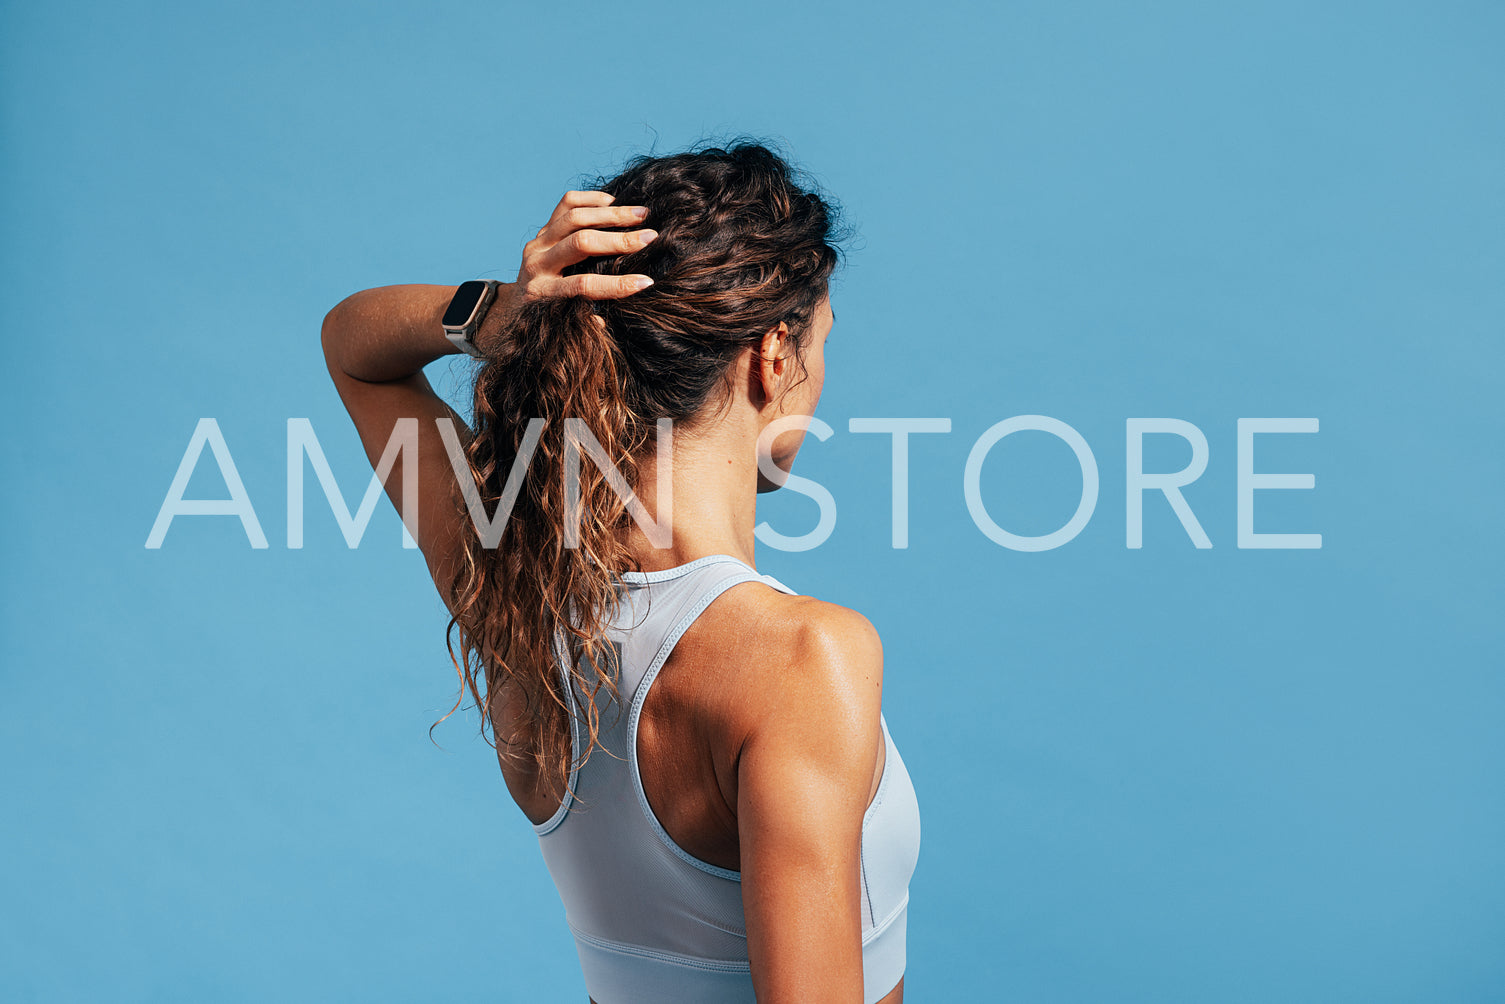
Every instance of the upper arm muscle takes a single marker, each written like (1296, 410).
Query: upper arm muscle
(804, 775)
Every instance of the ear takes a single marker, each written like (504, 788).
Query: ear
(771, 366)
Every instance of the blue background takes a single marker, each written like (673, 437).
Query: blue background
(1165, 774)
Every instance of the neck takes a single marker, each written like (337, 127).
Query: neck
(714, 480)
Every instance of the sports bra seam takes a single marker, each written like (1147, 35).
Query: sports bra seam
(544, 828)
(867, 817)
(665, 574)
(867, 888)
(673, 958)
(743, 574)
(878, 928)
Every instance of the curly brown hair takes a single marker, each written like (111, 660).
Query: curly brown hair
(744, 243)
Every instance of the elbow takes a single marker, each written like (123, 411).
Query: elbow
(330, 332)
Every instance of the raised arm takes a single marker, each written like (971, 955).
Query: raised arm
(376, 343)
(804, 776)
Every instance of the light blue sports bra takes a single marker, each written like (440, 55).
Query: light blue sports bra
(653, 924)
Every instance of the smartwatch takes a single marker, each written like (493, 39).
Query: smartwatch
(467, 309)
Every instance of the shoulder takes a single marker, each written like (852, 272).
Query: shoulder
(806, 653)
(833, 651)
(810, 675)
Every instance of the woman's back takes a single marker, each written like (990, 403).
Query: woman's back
(652, 920)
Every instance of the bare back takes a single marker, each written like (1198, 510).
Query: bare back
(696, 716)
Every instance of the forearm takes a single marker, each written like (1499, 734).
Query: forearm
(391, 332)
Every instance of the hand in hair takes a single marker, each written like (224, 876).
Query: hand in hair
(568, 239)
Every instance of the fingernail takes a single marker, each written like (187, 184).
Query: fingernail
(647, 235)
(641, 212)
(642, 282)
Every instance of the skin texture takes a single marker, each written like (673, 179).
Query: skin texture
(760, 742)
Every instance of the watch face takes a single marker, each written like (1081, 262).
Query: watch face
(464, 304)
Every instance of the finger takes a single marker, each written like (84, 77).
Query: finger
(577, 200)
(604, 216)
(583, 244)
(580, 217)
(595, 287)
(549, 232)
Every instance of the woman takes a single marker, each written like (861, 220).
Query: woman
(745, 829)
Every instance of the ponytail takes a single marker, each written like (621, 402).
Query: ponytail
(542, 596)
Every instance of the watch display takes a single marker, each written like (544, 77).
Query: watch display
(464, 304)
